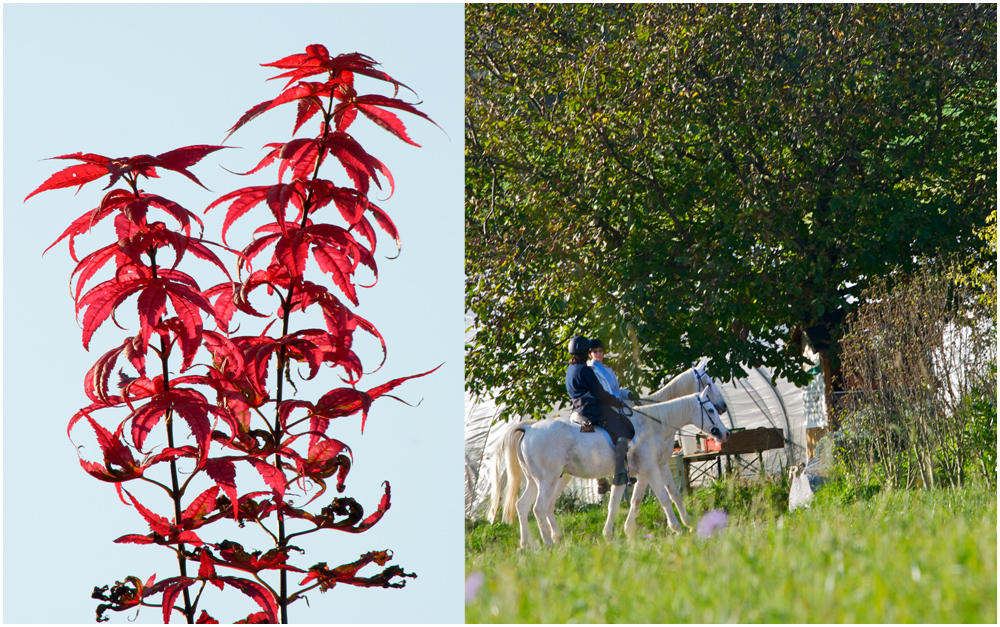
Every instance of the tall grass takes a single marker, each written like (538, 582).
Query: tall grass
(854, 556)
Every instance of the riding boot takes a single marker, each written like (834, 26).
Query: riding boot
(621, 466)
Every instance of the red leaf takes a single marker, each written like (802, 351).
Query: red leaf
(223, 472)
(233, 555)
(347, 573)
(84, 223)
(348, 401)
(181, 159)
(383, 507)
(157, 524)
(200, 507)
(189, 405)
(249, 115)
(103, 299)
(277, 197)
(242, 200)
(171, 589)
(119, 464)
(273, 477)
(76, 175)
(386, 224)
(207, 569)
(257, 618)
(152, 304)
(386, 120)
(360, 165)
(134, 538)
(97, 166)
(303, 91)
(258, 593)
(95, 384)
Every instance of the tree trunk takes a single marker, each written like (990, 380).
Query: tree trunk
(831, 383)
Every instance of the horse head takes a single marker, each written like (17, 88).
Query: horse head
(711, 423)
(707, 384)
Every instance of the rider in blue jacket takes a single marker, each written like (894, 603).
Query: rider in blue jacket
(607, 377)
(595, 404)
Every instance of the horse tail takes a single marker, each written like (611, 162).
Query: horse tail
(500, 464)
(514, 474)
(496, 454)
(503, 453)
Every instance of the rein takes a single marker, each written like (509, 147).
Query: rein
(701, 405)
(634, 410)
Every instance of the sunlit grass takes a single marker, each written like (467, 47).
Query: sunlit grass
(904, 556)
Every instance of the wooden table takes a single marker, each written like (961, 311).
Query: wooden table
(746, 442)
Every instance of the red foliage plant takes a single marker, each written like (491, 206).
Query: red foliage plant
(235, 406)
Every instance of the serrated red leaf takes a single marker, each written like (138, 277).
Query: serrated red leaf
(206, 570)
(387, 120)
(134, 538)
(84, 223)
(74, 176)
(171, 589)
(223, 472)
(190, 405)
(256, 618)
(180, 159)
(200, 507)
(98, 166)
(303, 91)
(100, 302)
(157, 524)
(257, 592)
(274, 478)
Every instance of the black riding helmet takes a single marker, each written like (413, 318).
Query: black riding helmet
(595, 343)
(579, 345)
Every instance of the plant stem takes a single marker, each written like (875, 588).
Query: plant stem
(175, 493)
(281, 368)
(279, 391)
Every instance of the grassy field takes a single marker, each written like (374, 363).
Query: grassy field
(854, 556)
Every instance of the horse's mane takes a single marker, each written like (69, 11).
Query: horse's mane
(681, 385)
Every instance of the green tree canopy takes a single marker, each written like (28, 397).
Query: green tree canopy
(713, 180)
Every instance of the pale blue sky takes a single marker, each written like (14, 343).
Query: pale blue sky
(125, 79)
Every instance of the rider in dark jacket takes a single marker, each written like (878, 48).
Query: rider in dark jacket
(592, 402)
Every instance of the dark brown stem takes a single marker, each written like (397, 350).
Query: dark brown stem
(175, 492)
(282, 365)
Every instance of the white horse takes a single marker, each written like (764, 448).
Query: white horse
(547, 449)
(692, 381)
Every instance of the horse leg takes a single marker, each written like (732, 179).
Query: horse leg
(560, 488)
(617, 491)
(524, 504)
(675, 494)
(549, 507)
(541, 509)
(656, 481)
(633, 511)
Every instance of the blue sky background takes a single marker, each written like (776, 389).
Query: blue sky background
(126, 79)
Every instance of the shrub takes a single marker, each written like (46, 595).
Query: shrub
(921, 353)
